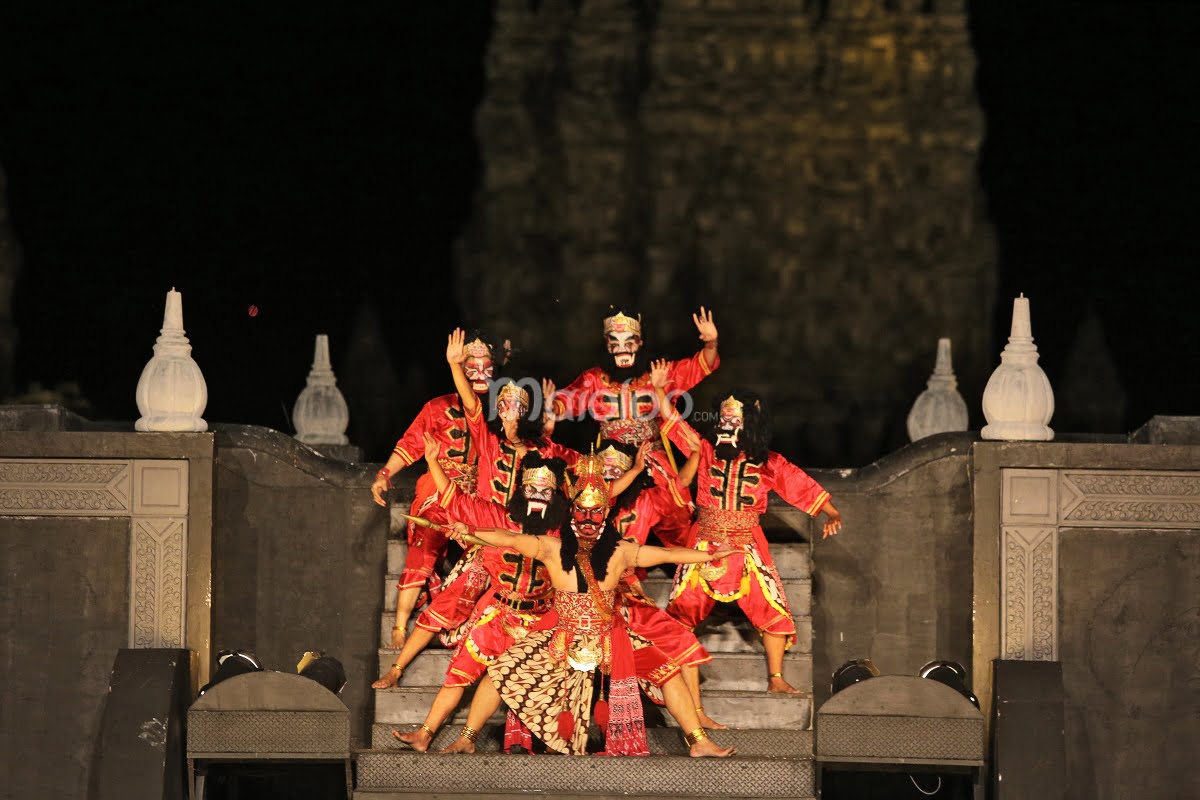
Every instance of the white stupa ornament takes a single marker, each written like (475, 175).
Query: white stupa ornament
(940, 408)
(171, 394)
(1018, 401)
(320, 414)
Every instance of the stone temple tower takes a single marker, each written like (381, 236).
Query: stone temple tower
(807, 169)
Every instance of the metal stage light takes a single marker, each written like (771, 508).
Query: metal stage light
(231, 663)
(952, 674)
(325, 670)
(852, 672)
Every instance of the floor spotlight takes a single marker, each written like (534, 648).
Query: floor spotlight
(950, 673)
(852, 672)
(325, 670)
(231, 663)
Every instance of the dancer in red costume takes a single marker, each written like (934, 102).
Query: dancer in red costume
(620, 397)
(518, 597)
(656, 499)
(443, 418)
(734, 475)
(547, 677)
(500, 442)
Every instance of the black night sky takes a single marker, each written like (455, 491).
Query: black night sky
(309, 158)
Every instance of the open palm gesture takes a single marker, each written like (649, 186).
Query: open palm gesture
(705, 325)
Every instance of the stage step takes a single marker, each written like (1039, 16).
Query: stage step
(487, 774)
(408, 705)
(789, 743)
(794, 561)
(723, 632)
(658, 588)
(736, 671)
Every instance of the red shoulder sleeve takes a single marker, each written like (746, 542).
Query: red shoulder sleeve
(795, 486)
(687, 372)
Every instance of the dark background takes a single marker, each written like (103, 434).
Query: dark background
(318, 163)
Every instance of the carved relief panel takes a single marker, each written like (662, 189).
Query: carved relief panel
(153, 494)
(1036, 504)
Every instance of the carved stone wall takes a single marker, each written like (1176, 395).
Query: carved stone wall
(1038, 504)
(10, 264)
(152, 494)
(807, 169)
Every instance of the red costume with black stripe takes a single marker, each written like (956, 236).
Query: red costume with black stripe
(626, 410)
(498, 466)
(518, 598)
(730, 496)
(444, 419)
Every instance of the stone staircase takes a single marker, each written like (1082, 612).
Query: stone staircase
(773, 733)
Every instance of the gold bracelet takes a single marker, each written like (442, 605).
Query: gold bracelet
(774, 674)
(397, 627)
(469, 733)
(697, 735)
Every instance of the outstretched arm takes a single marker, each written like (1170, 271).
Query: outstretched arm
(650, 556)
(523, 543)
(456, 354)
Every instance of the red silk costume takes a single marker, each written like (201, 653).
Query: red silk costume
(730, 497)
(517, 602)
(664, 508)
(444, 419)
(626, 411)
(498, 466)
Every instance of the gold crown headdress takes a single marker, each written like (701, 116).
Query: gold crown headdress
(591, 490)
(511, 391)
(623, 460)
(732, 407)
(539, 478)
(619, 323)
(477, 348)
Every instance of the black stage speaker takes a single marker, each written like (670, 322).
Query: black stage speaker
(139, 751)
(1029, 758)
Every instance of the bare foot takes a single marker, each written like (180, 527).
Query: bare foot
(459, 745)
(712, 724)
(388, 679)
(418, 740)
(707, 748)
(780, 686)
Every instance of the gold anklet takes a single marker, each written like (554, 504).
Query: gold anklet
(697, 735)
(432, 733)
(469, 733)
(700, 710)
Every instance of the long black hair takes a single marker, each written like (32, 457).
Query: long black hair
(755, 438)
(530, 427)
(559, 506)
(602, 550)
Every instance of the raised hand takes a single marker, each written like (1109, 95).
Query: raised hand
(432, 448)
(548, 391)
(658, 373)
(456, 352)
(639, 462)
(705, 325)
